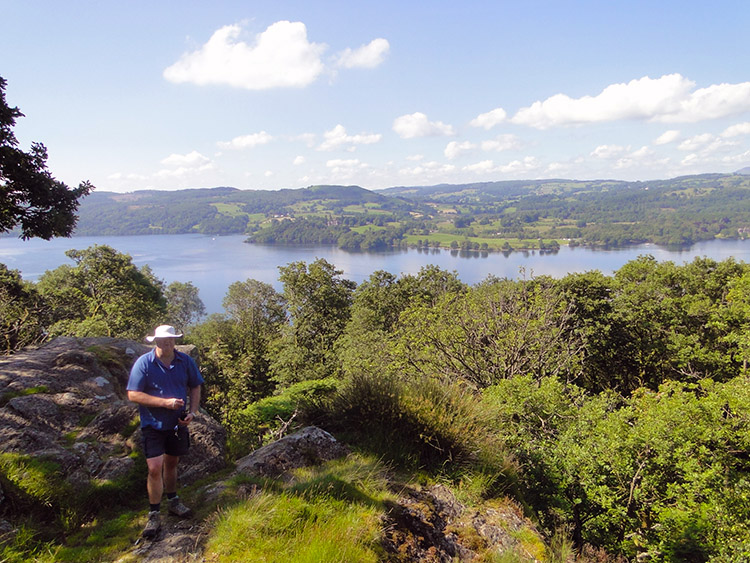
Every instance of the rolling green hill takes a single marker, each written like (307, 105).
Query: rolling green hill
(490, 215)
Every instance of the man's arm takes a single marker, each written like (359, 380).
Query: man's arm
(151, 401)
(195, 399)
(195, 404)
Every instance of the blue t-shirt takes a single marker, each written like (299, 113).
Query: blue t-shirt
(151, 377)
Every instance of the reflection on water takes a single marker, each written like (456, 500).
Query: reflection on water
(213, 263)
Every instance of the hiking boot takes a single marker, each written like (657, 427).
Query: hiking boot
(152, 526)
(178, 509)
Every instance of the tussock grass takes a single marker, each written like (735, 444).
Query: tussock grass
(330, 513)
(99, 540)
(439, 426)
(88, 519)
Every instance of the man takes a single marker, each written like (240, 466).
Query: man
(164, 382)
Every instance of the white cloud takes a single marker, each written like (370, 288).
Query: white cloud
(454, 148)
(502, 143)
(431, 169)
(338, 137)
(555, 167)
(192, 159)
(643, 152)
(490, 119)
(417, 125)
(690, 160)
(366, 56)
(184, 171)
(299, 160)
(667, 137)
(344, 168)
(639, 157)
(185, 165)
(527, 164)
(705, 145)
(518, 167)
(608, 151)
(697, 142)
(718, 100)
(742, 158)
(737, 130)
(483, 166)
(280, 57)
(247, 141)
(415, 157)
(670, 98)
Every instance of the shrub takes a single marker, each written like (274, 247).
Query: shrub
(424, 422)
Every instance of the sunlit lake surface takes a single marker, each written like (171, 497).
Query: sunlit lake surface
(213, 263)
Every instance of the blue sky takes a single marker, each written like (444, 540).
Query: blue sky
(269, 95)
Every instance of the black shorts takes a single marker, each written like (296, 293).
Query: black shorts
(170, 442)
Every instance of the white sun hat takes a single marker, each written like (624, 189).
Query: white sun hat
(163, 331)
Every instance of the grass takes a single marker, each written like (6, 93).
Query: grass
(64, 523)
(230, 209)
(367, 228)
(99, 540)
(330, 513)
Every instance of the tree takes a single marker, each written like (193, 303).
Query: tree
(29, 195)
(184, 306)
(235, 348)
(497, 330)
(318, 302)
(104, 294)
(23, 312)
(255, 305)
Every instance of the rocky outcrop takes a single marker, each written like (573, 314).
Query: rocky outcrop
(65, 402)
(309, 446)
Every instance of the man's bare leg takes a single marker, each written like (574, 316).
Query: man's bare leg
(155, 482)
(170, 473)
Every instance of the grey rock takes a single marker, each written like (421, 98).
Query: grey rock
(309, 446)
(40, 408)
(116, 467)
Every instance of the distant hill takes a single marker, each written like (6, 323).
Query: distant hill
(221, 210)
(503, 215)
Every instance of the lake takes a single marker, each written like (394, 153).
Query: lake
(213, 263)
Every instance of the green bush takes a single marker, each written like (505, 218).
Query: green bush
(436, 425)
(250, 427)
